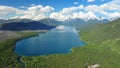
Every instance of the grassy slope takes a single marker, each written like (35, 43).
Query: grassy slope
(103, 47)
(8, 59)
(107, 34)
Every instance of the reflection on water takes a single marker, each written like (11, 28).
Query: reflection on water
(59, 40)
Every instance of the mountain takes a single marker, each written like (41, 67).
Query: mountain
(102, 45)
(49, 21)
(81, 23)
(28, 24)
(78, 20)
(18, 26)
(15, 20)
(114, 18)
(108, 33)
(53, 22)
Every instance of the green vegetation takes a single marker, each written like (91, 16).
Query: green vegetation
(81, 58)
(8, 59)
(106, 34)
(102, 48)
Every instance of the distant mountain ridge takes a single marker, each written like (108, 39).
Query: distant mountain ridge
(46, 23)
(81, 23)
(50, 21)
(15, 20)
(108, 32)
(78, 20)
(15, 26)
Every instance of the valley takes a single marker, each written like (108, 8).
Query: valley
(101, 49)
(59, 34)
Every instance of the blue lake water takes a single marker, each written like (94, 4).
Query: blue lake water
(58, 40)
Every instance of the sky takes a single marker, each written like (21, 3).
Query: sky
(59, 9)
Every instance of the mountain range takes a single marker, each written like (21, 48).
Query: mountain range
(23, 24)
(45, 24)
(81, 23)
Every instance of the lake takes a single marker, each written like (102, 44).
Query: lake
(56, 41)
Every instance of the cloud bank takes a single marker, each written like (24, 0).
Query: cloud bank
(36, 12)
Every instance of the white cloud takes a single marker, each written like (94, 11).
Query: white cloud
(32, 12)
(23, 7)
(72, 12)
(37, 12)
(40, 8)
(84, 15)
(66, 13)
(71, 9)
(103, 7)
(76, 3)
(7, 9)
(107, 10)
(59, 16)
(110, 6)
(111, 15)
(115, 2)
(93, 8)
(32, 4)
(90, 0)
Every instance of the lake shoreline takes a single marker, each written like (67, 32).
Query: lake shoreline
(8, 46)
(53, 42)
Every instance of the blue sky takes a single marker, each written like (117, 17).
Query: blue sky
(58, 4)
(59, 9)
